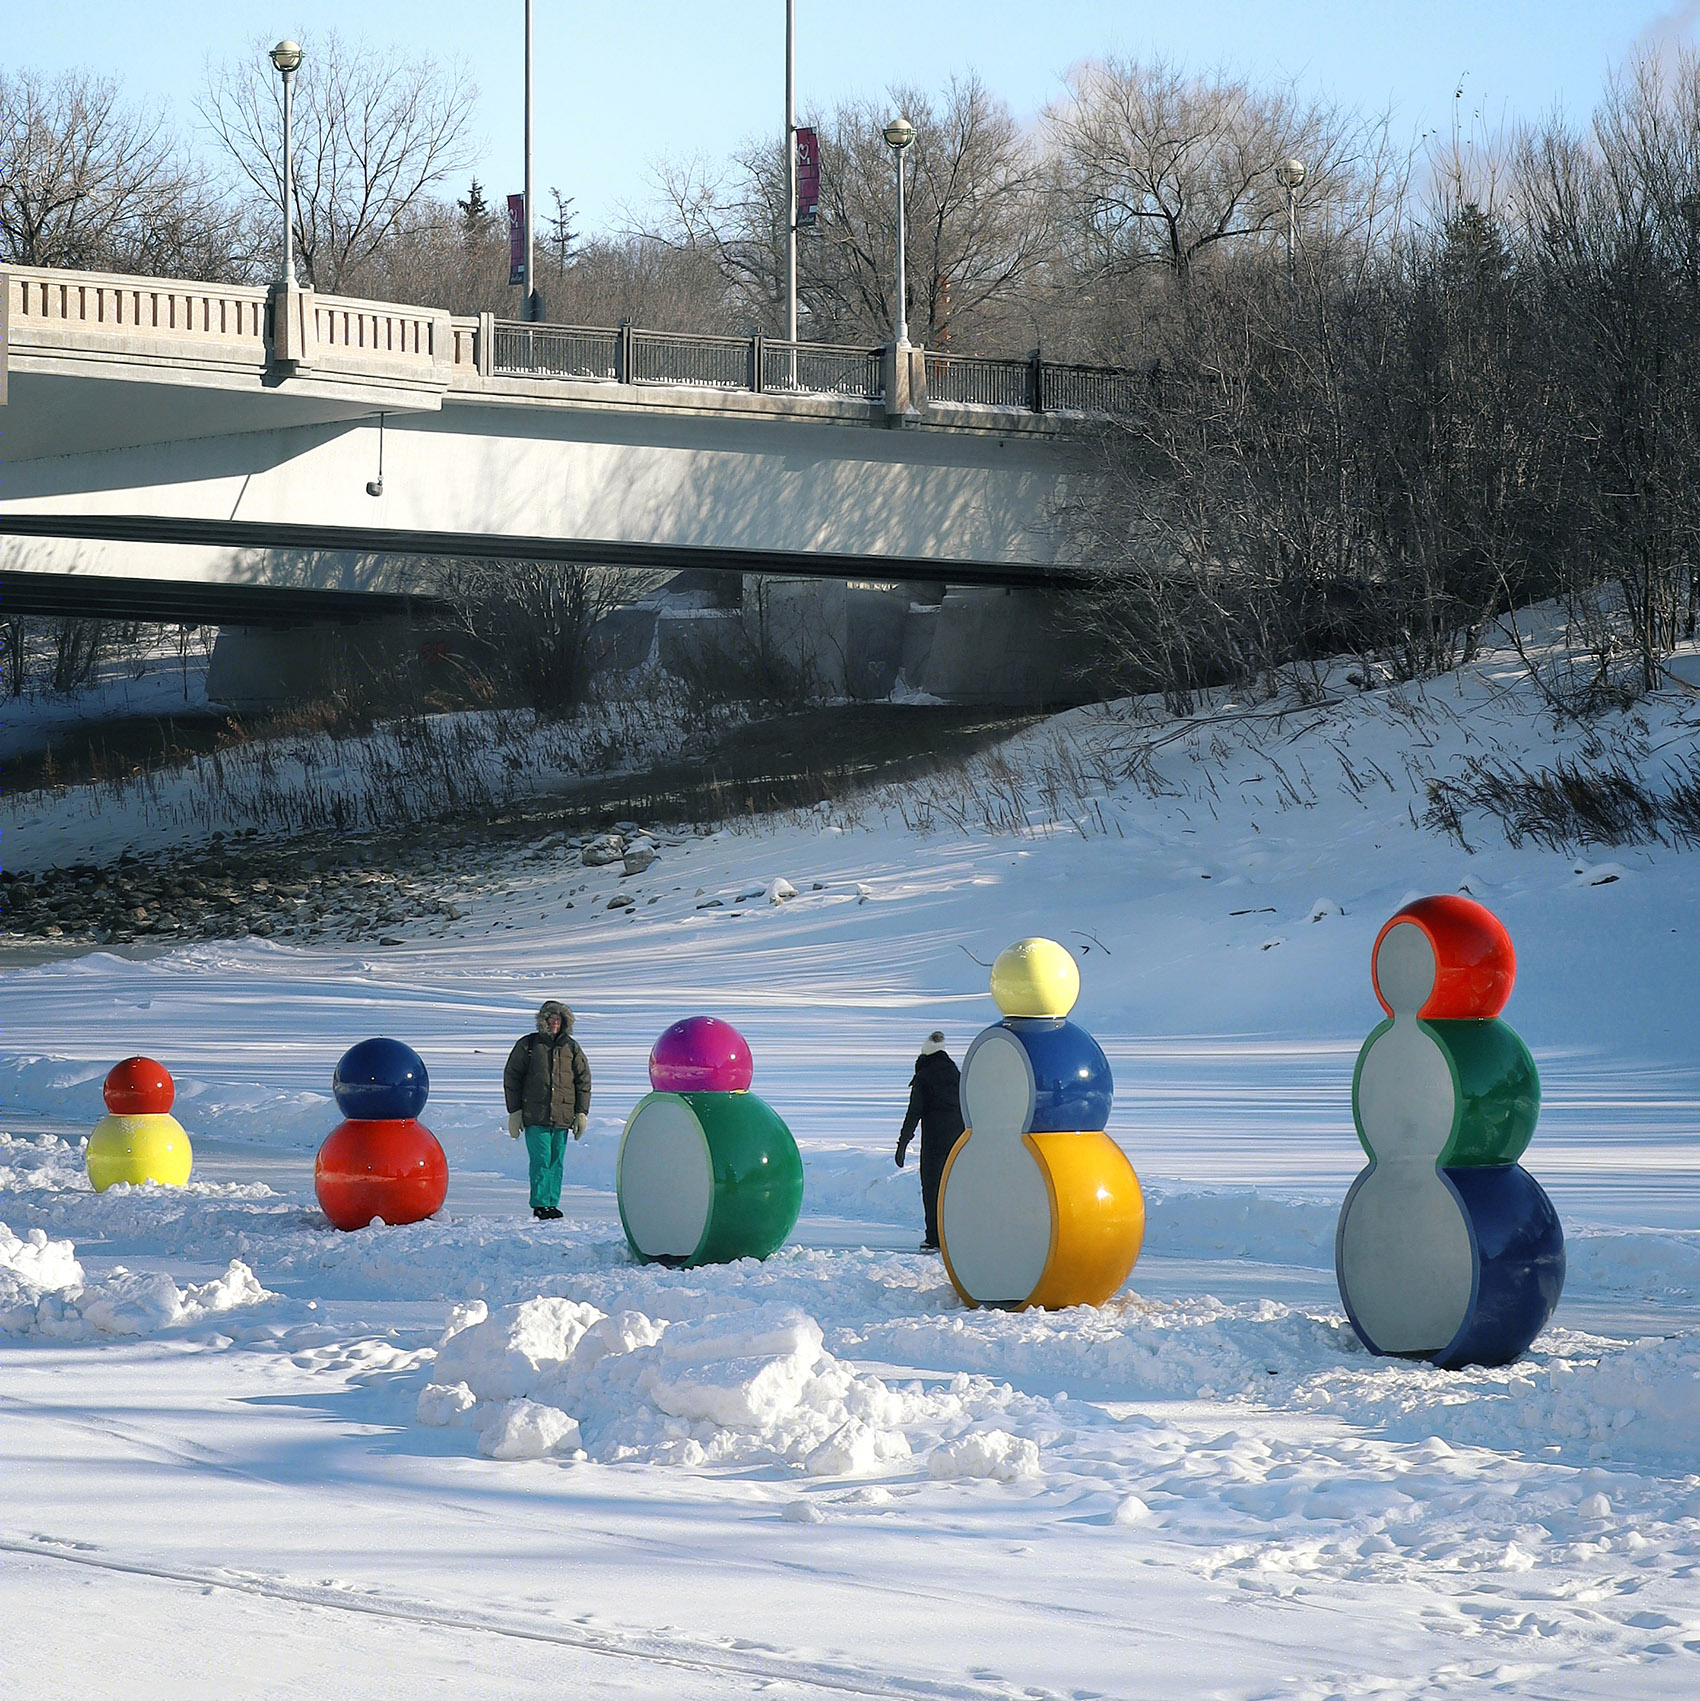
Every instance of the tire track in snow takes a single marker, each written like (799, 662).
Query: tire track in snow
(646, 1647)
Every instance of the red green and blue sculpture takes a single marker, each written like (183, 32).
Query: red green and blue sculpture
(1447, 1248)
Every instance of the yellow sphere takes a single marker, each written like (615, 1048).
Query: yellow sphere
(1035, 977)
(136, 1149)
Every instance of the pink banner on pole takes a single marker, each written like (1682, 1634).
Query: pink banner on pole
(808, 178)
(516, 240)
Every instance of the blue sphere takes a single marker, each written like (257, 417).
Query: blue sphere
(1058, 1072)
(379, 1080)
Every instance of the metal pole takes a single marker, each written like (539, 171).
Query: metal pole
(902, 286)
(288, 279)
(1292, 233)
(791, 172)
(530, 275)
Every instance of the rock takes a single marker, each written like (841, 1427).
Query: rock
(639, 856)
(610, 847)
(781, 891)
(620, 902)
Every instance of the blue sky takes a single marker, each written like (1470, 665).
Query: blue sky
(620, 85)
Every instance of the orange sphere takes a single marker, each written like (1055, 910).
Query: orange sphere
(394, 1170)
(139, 1087)
(1474, 964)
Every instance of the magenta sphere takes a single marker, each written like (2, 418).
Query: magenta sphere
(701, 1054)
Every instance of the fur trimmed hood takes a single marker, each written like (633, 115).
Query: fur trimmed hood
(933, 1042)
(553, 1007)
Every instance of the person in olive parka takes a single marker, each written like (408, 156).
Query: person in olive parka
(935, 1103)
(547, 1087)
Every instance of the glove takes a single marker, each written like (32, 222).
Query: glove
(902, 1152)
(578, 1126)
(516, 1123)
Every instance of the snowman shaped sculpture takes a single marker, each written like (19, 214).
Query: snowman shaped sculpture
(1038, 1205)
(138, 1140)
(1447, 1249)
(707, 1170)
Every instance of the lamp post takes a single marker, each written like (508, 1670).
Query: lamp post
(286, 56)
(899, 135)
(791, 177)
(531, 296)
(1290, 173)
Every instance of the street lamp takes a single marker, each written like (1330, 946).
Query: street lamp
(1290, 173)
(286, 56)
(900, 134)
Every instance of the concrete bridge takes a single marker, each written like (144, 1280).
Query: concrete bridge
(232, 454)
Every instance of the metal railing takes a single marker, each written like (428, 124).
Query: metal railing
(628, 355)
(554, 351)
(821, 369)
(980, 382)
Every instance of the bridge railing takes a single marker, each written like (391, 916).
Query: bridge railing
(630, 355)
(767, 365)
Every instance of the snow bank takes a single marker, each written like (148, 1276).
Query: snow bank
(43, 1291)
(752, 1385)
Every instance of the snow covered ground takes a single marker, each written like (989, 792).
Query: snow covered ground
(479, 1454)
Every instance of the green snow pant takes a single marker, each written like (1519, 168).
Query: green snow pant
(545, 1147)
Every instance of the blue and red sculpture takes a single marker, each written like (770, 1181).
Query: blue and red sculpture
(1447, 1248)
(381, 1162)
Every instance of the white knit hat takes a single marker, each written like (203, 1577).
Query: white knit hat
(933, 1042)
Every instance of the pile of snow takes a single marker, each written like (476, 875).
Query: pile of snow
(43, 1291)
(752, 1385)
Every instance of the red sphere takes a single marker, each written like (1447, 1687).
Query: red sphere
(394, 1170)
(139, 1087)
(701, 1054)
(1474, 964)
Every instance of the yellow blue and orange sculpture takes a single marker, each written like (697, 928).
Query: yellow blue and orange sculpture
(1447, 1248)
(707, 1172)
(1038, 1206)
(138, 1139)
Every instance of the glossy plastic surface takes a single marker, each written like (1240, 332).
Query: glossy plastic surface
(380, 1080)
(139, 1087)
(757, 1186)
(701, 1054)
(1035, 977)
(1097, 1218)
(1520, 1265)
(392, 1168)
(1475, 965)
(148, 1147)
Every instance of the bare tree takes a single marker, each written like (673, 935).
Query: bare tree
(374, 136)
(976, 213)
(86, 181)
(1157, 168)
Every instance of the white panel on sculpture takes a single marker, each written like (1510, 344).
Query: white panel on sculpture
(665, 1179)
(995, 1216)
(1406, 1100)
(1406, 1260)
(1404, 1245)
(1405, 968)
(998, 1089)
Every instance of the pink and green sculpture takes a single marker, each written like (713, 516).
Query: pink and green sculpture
(707, 1172)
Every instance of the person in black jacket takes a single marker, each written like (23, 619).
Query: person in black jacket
(935, 1103)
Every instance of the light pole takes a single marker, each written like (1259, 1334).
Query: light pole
(286, 56)
(899, 135)
(1290, 173)
(530, 276)
(791, 176)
